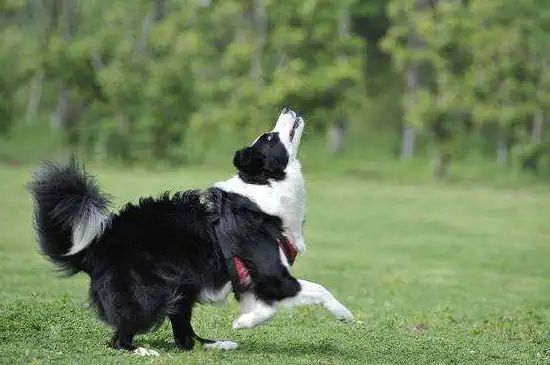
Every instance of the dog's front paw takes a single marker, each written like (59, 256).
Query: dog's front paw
(345, 315)
(252, 319)
(244, 321)
(259, 315)
(339, 311)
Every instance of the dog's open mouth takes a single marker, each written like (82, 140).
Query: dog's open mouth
(295, 126)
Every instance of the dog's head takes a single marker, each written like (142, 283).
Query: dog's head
(268, 157)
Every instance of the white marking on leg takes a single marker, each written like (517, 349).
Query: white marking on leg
(312, 293)
(247, 302)
(261, 313)
(221, 345)
(142, 351)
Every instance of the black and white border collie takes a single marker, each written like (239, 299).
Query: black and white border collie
(161, 256)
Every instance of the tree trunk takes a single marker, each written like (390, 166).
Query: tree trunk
(408, 140)
(538, 127)
(63, 17)
(158, 10)
(538, 117)
(259, 24)
(45, 16)
(160, 134)
(337, 131)
(336, 135)
(502, 149)
(70, 23)
(531, 161)
(59, 117)
(35, 97)
(442, 163)
(344, 24)
(413, 83)
(141, 43)
(55, 12)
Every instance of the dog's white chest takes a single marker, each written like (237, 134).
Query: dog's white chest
(292, 210)
(285, 199)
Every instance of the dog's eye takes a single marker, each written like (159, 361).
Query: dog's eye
(269, 137)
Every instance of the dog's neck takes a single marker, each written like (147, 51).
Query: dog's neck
(284, 199)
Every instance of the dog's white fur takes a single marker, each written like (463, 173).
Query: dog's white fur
(208, 296)
(142, 351)
(285, 199)
(221, 345)
(90, 225)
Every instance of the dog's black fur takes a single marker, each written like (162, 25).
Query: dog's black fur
(153, 258)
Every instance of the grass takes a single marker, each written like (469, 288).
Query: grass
(435, 274)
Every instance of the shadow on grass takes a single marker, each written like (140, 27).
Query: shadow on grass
(323, 349)
(301, 348)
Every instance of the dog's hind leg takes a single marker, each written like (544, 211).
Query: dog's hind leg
(184, 335)
(123, 340)
(181, 327)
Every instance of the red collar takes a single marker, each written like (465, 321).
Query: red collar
(285, 243)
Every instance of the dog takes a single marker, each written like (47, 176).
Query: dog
(161, 256)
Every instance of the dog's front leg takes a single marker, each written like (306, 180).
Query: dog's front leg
(253, 311)
(260, 313)
(309, 293)
(247, 302)
(312, 293)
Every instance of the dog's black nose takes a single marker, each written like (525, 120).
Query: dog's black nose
(286, 110)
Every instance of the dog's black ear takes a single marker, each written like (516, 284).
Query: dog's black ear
(249, 161)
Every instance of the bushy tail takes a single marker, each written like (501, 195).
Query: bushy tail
(70, 211)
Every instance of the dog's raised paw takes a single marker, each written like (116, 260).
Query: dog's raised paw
(242, 322)
(345, 316)
(339, 311)
(221, 345)
(254, 318)
(347, 319)
(142, 351)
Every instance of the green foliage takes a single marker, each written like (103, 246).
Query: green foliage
(161, 80)
(488, 61)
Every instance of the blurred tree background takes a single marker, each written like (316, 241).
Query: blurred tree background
(174, 82)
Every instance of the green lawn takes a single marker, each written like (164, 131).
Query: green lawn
(434, 274)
